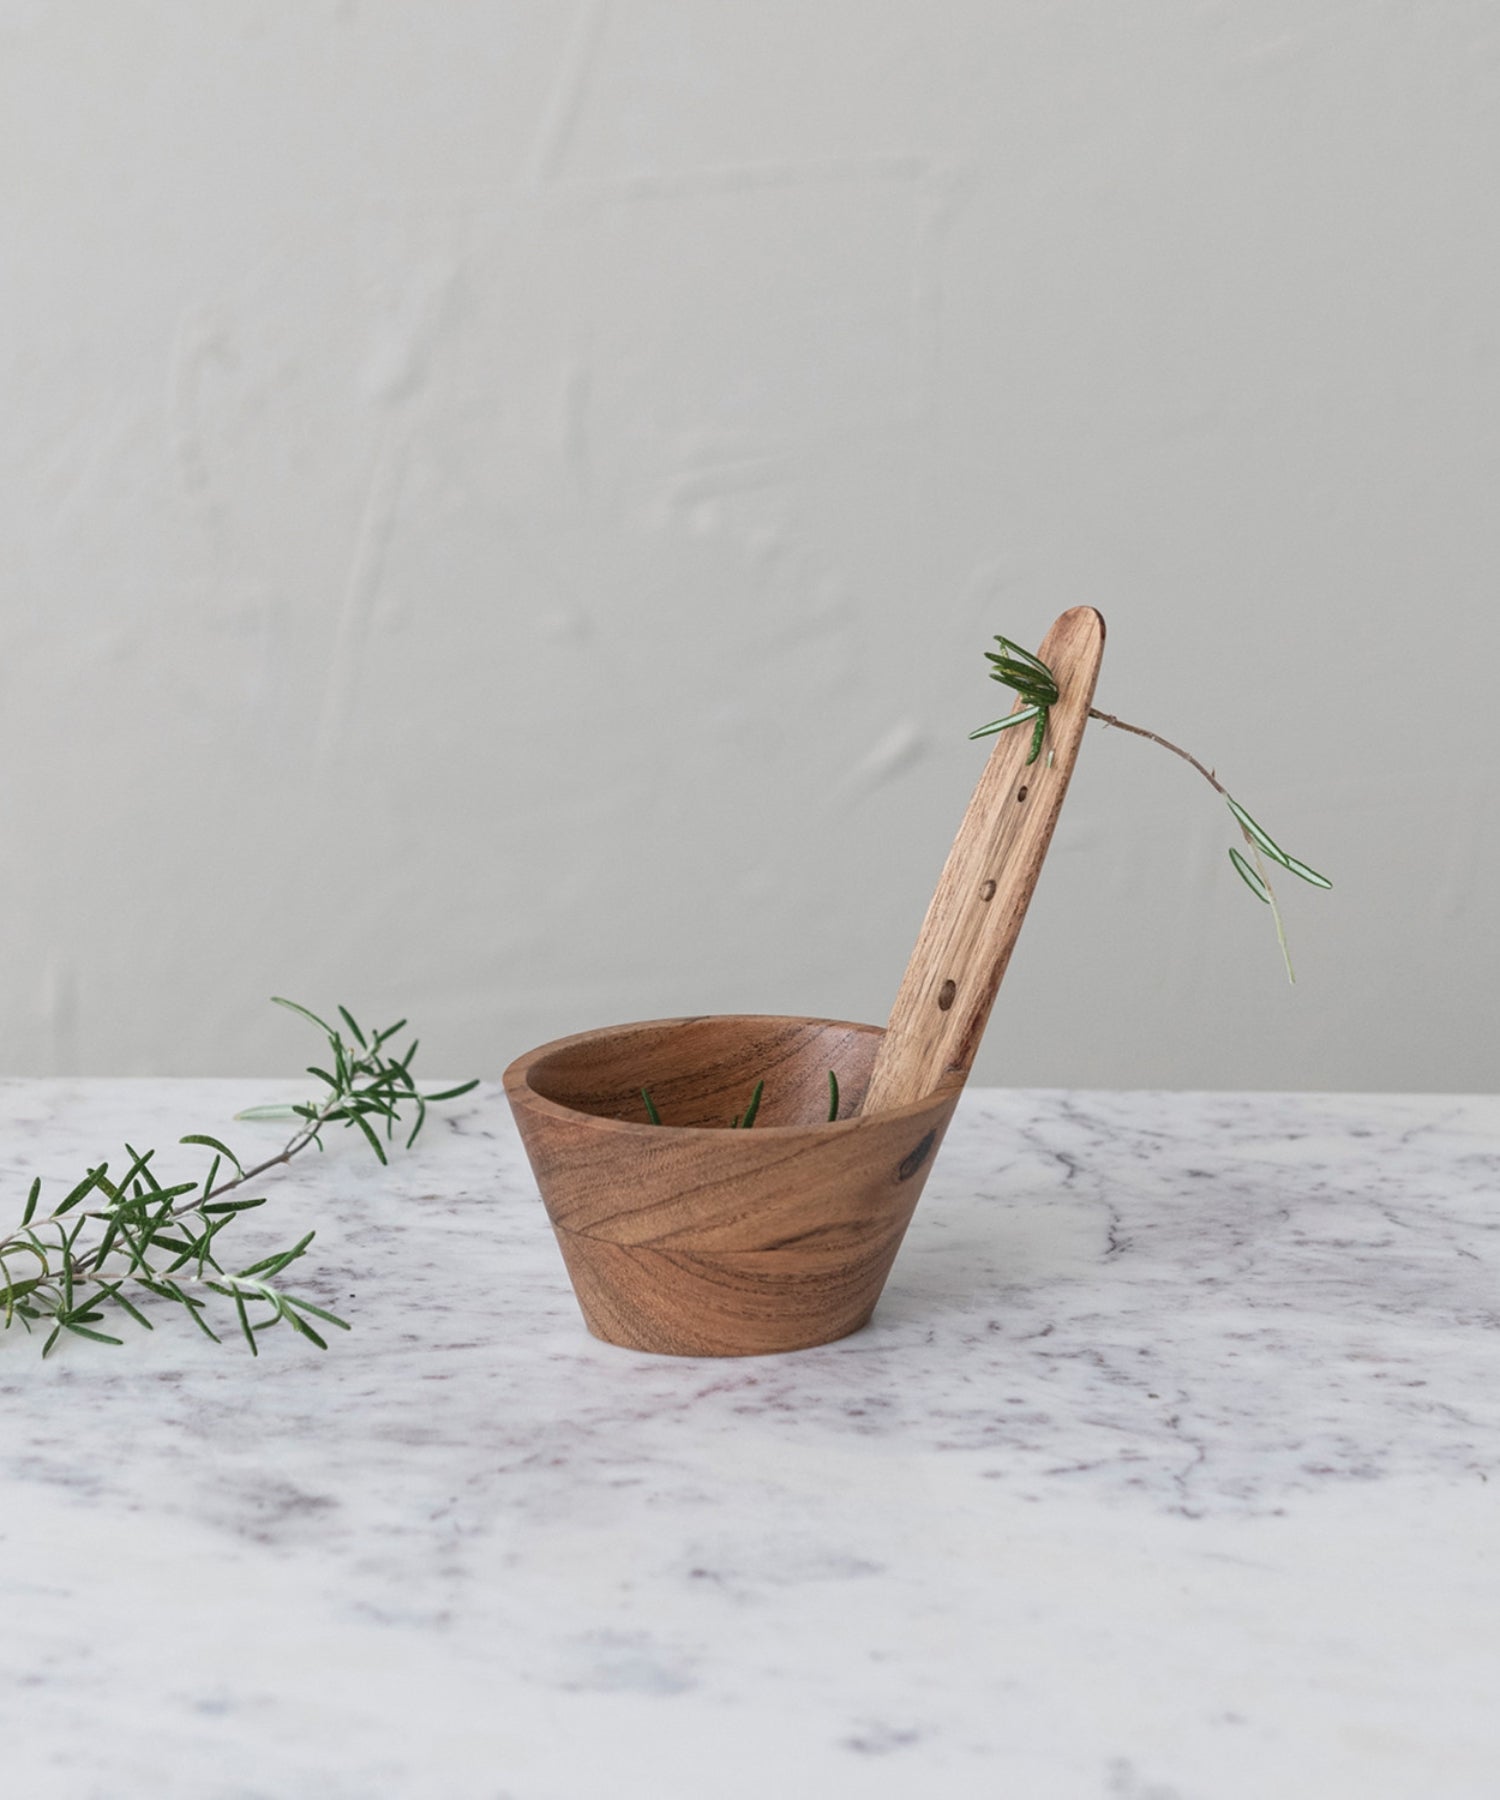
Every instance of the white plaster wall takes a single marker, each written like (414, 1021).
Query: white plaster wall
(501, 507)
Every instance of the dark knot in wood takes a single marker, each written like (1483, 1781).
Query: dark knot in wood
(914, 1159)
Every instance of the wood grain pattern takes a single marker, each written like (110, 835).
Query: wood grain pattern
(690, 1239)
(976, 913)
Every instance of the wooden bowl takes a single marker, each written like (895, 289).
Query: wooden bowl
(697, 1240)
(691, 1239)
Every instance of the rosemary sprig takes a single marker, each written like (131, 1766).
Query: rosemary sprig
(747, 1118)
(1030, 678)
(136, 1237)
(743, 1121)
(1033, 681)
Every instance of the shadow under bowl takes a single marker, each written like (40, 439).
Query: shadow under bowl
(691, 1239)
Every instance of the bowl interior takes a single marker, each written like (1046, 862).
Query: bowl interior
(701, 1072)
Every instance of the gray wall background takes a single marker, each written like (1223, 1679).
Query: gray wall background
(503, 505)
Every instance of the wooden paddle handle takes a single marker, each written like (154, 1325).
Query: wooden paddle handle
(982, 895)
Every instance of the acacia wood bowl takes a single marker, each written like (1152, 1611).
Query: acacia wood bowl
(694, 1239)
(691, 1239)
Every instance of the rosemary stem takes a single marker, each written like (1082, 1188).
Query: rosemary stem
(1214, 782)
(178, 1277)
(190, 1203)
(1177, 750)
(285, 1155)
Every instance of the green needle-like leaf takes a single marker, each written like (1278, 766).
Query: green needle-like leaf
(244, 1318)
(213, 1143)
(99, 1337)
(294, 1007)
(1264, 841)
(1301, 870)
(453, 1093)
(1015, 718)
(1249, 877)
(355, 1032)
(1261, 836)
(273, 1265)
(318, 1312)
(300, 1325)
(82, 1191)
(375, 1144)
(135, 1312)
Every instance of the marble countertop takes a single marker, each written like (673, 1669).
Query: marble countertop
(1169, 1469)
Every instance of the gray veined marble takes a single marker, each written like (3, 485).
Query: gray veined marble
(1168, 1470)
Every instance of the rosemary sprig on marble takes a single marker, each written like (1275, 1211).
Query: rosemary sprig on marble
(113, 1241)
(1031, 679)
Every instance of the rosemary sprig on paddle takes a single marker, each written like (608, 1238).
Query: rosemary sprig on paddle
(115, 1242)
(1033, 682)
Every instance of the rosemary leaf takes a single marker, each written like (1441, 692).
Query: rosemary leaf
(1249, 876)
(1015, 718)
(358, 1035)
(294, 1007)
(212, 1143)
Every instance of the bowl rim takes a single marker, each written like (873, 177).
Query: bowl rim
(518, 1088)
